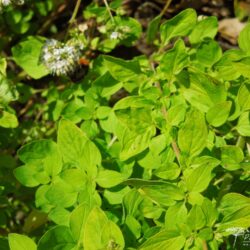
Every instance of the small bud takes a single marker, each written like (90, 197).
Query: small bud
(114, 35)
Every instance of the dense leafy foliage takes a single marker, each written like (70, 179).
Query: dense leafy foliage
(165, 166)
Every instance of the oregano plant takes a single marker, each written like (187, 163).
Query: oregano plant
(147, 153)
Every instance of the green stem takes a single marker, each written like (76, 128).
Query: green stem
(165, 113)
(108, 9)
(165, 7)
(73, 17)
(112, 141)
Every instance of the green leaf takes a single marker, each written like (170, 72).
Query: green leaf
(164, 195)
(206, 28)
(130, 27)
(78, 220)
(243, 97)
(44, 154)
(100, 233)
(3, 66)
(109, 178)
(198, 176)
(226, 68)
(31, 176)
(8, 120)
(106, 85)
(208, 52)
(180, 25)
(203, 92)
(116, 195)
(61, 194)
(136, 120)
(27, 53)
(133, 102)
(243, 126)
(133, 227)
(4, 243)
(8, 92)
(167, 240)
(175, 215)
(178, 58)
(231, 157)
(75, 111)
(195, 198)
(60, 216)
(76, 178)
(243, 39)
(193, 134)
(76, 148)
(133, 144)
(218, 114)
(169, 172)
(243, 66)
(122, 70)
(41, 200)
(235, 209)
(21, 242)
(153, 28)
(58, 237)
(196, 218)
(176, 114)
(131, 202)
(210, 211)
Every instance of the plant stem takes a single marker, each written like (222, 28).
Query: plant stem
(112, 141)
(108, 9)
(51, 18)
(73, 17)
(204, 245)
(176, 151)
(168, 2)
(165, 113)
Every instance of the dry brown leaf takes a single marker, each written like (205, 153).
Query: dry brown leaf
(229, 28)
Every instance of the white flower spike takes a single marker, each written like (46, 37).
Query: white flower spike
(59, 58)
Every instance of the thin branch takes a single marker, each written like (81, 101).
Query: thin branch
(168, 2)
(51, 18)
(204, 245)
(176, 150)
(73, 17)
(112, 141)
(108, 9)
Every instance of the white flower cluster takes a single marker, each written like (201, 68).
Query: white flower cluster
(5, 3)
(60, 58)
(120, 33)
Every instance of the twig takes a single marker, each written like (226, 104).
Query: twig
(204, 245)
(112, 141)
(176, 150)
(168, 2)
(51, 19)
(73, 17)
(26, 108)
(108, 9)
